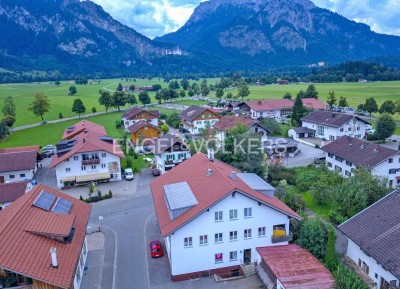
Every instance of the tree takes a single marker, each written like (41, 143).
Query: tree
(331, 259)
(331, 100)
(346, 278)
(243, 90)
(311, 92)
(185, 84)
(9, 107)
(287, 96)
(57, 82)
(118, 99)
(165, 94)
(182, 93)
(204, 89)
(94, 110)
(343, 102)
(387, 107)
(131, 99)
(78, 107)
(195, 88)
(144, 98)
(72, 90)
(119, 87)
(229, 95)
(132, 87)
(40, 105)
(370, 105)
(191, 93)
(219, 93)
(173, 120)
(164, 128)
(60, 115)
(9, 120)
(105, 99)
(385, 126)
(158, 96)
(298, 109)
(313, 237)
(3, 130)
(271, 124)
(156, 87)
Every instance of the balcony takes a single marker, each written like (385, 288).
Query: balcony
(90, 162)
(279, 238)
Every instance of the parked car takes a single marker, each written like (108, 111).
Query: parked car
(48, 153)
(183, 130)
(155, 172)
(48, 148)
(128, 173)
(156, 249)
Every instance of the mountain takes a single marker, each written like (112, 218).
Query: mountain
(254, 34)
(71, 36)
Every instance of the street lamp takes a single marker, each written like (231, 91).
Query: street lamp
(101, 222)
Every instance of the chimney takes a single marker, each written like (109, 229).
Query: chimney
(53, 253)
(209, 172)
(233, 175)
(210, 153)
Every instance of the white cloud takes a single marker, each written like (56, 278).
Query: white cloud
(158, 17)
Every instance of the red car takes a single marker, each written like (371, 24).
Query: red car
(156, 249)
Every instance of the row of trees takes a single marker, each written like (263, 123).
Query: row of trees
(120, 98)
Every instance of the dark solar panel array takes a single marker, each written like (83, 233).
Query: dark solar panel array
(45, 200)
(62, 206)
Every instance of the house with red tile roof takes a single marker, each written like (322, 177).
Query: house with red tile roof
(137, 114)
(43, 240)
(18, 164)
(292, 267)
(346, 153)
(86, 154)
(212, 217)
(195, 118)
(10, 192)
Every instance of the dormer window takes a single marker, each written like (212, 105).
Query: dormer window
(176, 147)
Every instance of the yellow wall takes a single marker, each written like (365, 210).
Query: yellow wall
(146, 132)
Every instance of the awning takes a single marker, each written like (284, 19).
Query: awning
(68, 179)
(93, 177)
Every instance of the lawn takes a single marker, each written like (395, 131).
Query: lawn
(137, 164)
(321, 210)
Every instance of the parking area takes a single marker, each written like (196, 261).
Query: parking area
(305, 157)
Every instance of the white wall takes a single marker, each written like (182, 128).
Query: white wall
(161, 158)
(18, 175)
(129, 122)
(202, 257)
(76, 170)
(268, 113)
(200, 124)
(81, 265)
(354, 128)
(354, 252)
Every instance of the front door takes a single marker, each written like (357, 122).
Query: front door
(247, 256)
(1, 179)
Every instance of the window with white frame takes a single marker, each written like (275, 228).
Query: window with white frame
(233, 214)
(76, 158)
(261, 231)
(68, 170)
(233, 256)
(94, 167)
(22, 175)
(203, 240)
(103, 166)
(248, 212)
(219, 258)
(247, 233)
(12, 176)
(320, 130)
(188, 242)
(218, 237)
(103, 155)
(233, 235)
(392, 171)
(83, 168)
(218, 216)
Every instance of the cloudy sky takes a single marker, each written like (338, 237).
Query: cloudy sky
(158, 17)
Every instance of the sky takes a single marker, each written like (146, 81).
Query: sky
(158, 17)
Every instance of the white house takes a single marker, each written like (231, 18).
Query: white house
(169, 152)
(137, 114)
(213, 217)
(195, 118)
(373, 241)
(43, 232)
(10, 192)
(227, 123)
(346, 154)
(18, 164)
(86, 154)
(332, 125)
(276, 108)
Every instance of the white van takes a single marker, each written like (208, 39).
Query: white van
(128, 174)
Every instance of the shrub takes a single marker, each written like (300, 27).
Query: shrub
(81, 198)
(94, 110)
(294, 201)
(60, 115)
(128, 162)
(347, 279)
(313, 237)
(331, 259)
(336, 218)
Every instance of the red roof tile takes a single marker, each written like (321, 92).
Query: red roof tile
(270, 104)
(228, 122)
(9, 192)
(134, 112)
(296, 268)
(313, 103)
(138, 125)
(81, 126)
(19, 158)
(28, 254)
(207, 189)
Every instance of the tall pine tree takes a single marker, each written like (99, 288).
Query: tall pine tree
(298, 109)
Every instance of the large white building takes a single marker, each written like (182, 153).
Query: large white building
(373, 241)
(332, 125)
(136, 114)
(346, 154)
(213, 217)
(18, 164)
(195, 118)
(169, 152)
(86, 154)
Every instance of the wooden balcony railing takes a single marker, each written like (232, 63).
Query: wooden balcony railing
(90, 162)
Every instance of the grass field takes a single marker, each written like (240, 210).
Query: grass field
(23, 93)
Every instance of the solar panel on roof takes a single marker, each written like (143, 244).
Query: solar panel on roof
(62, 206)
(44, 201)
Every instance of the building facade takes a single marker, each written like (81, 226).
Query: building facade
(137, 114)
(196, 118)
(18, 164)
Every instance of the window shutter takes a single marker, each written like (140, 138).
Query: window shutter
(359, 262)
(367, 270)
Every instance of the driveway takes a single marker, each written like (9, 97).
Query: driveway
(306, 157)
